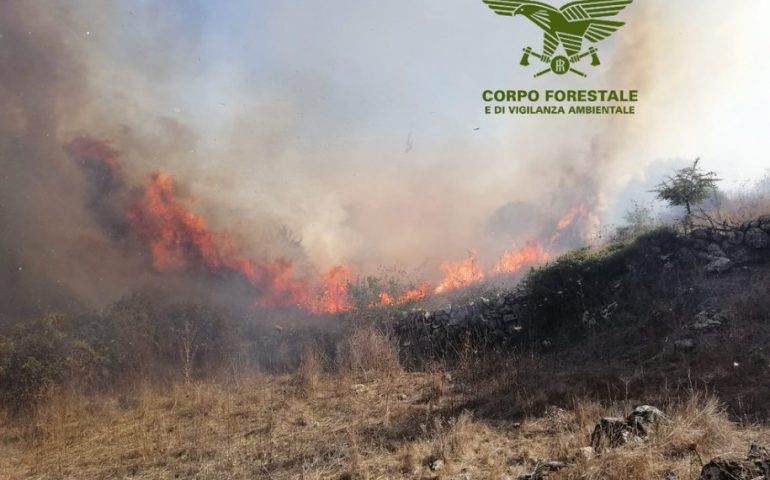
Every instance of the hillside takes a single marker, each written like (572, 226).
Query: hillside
(511, 384)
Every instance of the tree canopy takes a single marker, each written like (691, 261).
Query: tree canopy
(688, 187)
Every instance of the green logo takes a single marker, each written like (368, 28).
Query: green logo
(565, 27)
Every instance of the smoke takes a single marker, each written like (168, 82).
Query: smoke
(331, 146)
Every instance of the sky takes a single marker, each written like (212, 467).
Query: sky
(360, 125)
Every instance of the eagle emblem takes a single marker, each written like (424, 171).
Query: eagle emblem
(566, 27)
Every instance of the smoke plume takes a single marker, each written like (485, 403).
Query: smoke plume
(120, 169)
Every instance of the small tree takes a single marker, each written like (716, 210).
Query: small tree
(688, 187)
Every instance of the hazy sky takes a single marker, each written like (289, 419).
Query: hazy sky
(360, 124)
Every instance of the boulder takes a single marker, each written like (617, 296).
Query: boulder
(611, 432)
(643, 419)
(715, 250)
(719, 265)
(731, 470)
(756, 466)
(757, 238)
(735, 237)
(614, 432)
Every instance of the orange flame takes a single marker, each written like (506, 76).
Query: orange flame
(459, 274)
(570, 217)
(415, 294)
(334, 297)
(514, 260)
(386, 299)
(179, 240)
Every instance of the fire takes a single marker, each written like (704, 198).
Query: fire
(386, 299)
(459, 274)
(570, 217)
(514, 260)
(334, 297)
(179, 240)
(415, 294)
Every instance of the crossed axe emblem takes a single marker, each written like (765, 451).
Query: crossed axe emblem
(561, 64)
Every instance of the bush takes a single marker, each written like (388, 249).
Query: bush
(32, 359)
(140, 337)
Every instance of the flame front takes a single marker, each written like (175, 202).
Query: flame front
(179, 240)
(460, 274)
(514, 260)
(334, 296)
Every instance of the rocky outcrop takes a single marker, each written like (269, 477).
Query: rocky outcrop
(613, 432)
(756, 466)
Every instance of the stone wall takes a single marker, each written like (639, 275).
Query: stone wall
(498, 322)
(724, 248)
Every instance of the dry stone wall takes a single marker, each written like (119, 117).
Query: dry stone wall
(497, 322)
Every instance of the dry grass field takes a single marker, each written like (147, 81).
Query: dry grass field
(379, 425)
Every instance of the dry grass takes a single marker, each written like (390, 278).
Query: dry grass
(368, 350)
(309, 370)
(352, 427)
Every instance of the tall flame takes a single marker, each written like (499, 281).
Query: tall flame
(514, 260)
(460, 274)
(417, 293)
(179, 240)
(334, 297)
(570, 217)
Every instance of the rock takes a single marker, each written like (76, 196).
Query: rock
(742, 254)
(685, 345)
(715, 250)
(700, 233)
(614, 432)
(585, 454)
(509, 318)
(756, 466)
(764, 222)
(436, 465)
(542, 470)
(610, 433)
(758, 452)
(735, 237)
(706, 320)
(643, 419)
(719, 265)
(757, 238)
(731, 470)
